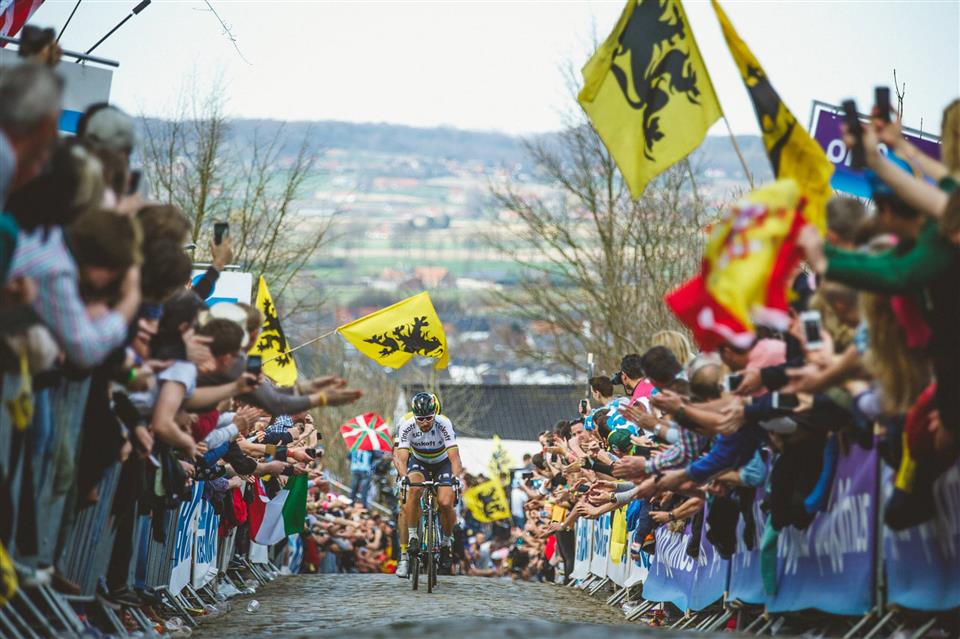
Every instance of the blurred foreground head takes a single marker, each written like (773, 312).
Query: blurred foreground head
(30, 97)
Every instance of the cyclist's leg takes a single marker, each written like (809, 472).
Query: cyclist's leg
(402, 527)
(443, 473)
(416, 473)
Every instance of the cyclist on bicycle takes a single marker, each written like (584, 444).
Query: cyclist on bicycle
(427, 450)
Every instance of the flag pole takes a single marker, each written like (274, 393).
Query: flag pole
(307, 343)
(736, 147)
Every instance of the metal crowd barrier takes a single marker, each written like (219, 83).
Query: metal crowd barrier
(88, 543)
(846, 574)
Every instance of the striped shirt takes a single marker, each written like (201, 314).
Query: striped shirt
(85, 340)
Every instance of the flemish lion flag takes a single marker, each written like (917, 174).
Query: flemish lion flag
(487, 501)
(395, 334)
(647, 91)
(272, 344)
(791, 150)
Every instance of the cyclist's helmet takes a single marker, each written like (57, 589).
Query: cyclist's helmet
(425, 405)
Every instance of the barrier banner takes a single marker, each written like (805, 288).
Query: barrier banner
(258, 554)
(618, 558)
(672, 570)
(746, 584)
(601, 546)
(922, 564)
(187, 518)
(581, 564)
(830, 566)
(205, 546)
(294, 553)
(638, 570)
(687, 582)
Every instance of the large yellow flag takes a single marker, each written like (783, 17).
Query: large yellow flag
(487, 501)
(272, 345)
(647, 91)
(393, 335)
(792, 152)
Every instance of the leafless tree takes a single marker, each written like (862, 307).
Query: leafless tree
(596, 262)
(196, 163)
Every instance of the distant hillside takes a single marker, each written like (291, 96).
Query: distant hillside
(490, 148)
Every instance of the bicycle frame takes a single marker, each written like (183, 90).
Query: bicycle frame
(428, 531)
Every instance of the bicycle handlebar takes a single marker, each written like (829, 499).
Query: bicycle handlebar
(429, 484)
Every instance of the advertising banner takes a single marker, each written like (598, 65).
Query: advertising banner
(618, 558)
(231, 286)
(581, 564)
(294, 553)
(601, 546)
(830, 566)
(690, 583)
(825, 128)
(672, 570)
(187, 518)
(205, 546)
(923, 563)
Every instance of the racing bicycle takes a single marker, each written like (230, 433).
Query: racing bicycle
(427, 556)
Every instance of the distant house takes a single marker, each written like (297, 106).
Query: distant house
(433, 276)
(515, 413)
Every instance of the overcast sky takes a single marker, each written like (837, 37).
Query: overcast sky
(498, 65)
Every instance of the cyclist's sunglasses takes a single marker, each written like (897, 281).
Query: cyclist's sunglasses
(428, 418)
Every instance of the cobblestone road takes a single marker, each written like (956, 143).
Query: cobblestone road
(385, 606)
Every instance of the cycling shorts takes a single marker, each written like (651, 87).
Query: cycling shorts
(441, 471)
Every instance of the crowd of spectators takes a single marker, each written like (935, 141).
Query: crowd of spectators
(96, 291)
(871, 357)
(96, 286)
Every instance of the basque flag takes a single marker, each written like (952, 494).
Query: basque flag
(367, 432)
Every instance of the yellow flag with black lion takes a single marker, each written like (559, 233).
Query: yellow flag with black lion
(647, 92)
(393, 335)
(271, 345)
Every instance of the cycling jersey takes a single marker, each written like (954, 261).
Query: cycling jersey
(431, 446)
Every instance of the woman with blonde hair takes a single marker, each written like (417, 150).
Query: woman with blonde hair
(676, 342)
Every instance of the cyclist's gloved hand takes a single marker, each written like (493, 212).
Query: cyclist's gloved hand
(404, 481)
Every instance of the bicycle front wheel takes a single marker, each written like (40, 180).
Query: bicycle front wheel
(431, 571)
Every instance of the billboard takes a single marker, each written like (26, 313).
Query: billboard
(231, 286)
(825, 124)
(84, 84)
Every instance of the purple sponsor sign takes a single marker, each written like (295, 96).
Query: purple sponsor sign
(746, 583)
(672, 570)
(830, 565)
(826, 130)
(686, 582)
(923, 563)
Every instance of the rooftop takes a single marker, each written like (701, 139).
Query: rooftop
(511, 411)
